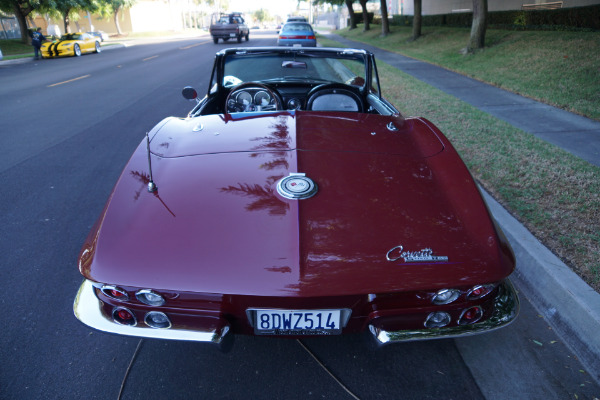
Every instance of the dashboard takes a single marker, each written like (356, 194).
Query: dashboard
(259, 97)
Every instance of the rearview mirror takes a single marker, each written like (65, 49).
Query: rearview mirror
(294, 64)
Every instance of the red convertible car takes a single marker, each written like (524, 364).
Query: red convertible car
(294, 200)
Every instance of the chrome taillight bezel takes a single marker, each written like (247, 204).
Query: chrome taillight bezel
(439, 297)
(121, 321)
(108, 289)
(148, 321)
(489, 288)
(142, 294)
(461, 320)
(431, 324)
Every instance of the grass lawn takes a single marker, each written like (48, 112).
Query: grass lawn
(553, 193)
(558, 68)
(14, 48)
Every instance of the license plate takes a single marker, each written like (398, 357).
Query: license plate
(297, 322)
(296, 45)
(232, 34)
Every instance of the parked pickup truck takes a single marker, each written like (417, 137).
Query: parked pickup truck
(228, 26)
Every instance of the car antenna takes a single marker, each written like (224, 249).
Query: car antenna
(151, 185)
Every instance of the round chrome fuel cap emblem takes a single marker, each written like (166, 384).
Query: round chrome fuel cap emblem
(296, 186)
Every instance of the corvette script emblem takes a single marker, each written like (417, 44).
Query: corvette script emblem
(425, 254)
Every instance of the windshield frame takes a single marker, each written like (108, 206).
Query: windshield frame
(366, 58)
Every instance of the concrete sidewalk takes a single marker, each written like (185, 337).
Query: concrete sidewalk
(567, 303)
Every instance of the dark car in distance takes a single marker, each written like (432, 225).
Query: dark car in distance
(229, 26)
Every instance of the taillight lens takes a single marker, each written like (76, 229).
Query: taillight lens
(470, 315)
(157, 320)
(115, 292)
(445, 296)
(150, 297)
(437, 319)
(123, 316)
(479, 291)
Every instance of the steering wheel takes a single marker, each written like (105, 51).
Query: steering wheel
(341, 97)
(249, 92)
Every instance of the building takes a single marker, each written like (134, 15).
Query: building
(433, 7)
(143, 16)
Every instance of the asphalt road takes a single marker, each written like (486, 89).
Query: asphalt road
(67, 128)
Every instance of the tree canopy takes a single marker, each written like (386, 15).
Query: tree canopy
(261, 15)
(112, 8)
(22, 9)
(63, 9)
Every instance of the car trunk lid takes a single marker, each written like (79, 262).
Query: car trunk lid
(217, 223)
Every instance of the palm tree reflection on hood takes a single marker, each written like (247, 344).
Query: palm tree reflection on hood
(275, 146)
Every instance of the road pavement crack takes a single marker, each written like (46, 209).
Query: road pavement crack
(135, 353)
(327, 370)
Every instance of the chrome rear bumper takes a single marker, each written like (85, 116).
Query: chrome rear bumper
(87, 308)
(506, 309)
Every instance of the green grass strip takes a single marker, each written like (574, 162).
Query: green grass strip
(557, 68)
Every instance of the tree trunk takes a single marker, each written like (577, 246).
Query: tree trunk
(385, 26)
(416, 32)
(477, 39)
(22, 18)
(67, 20)
(117, 21)
(351, 13)
(363, 4)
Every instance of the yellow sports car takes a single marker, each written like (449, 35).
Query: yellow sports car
(71, 44)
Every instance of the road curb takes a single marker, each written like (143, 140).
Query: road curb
(31, 59)
(567, 303)
(117, 44)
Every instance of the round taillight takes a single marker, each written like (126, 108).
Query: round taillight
(123, 316)
(157, 320)
(470, 315)
(437, 319)
(445, 296)
(149, 297)
(479, 291)
(115, 292)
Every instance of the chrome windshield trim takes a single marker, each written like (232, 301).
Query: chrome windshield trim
(506, 309)
(87, 309)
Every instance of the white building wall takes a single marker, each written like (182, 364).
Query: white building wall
(433, 7)
(149, 16)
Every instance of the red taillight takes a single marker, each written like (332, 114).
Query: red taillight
(479, 291)
(123, 316)
(115, 292)
(470, 315)
(283, 37)
(311, 37)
